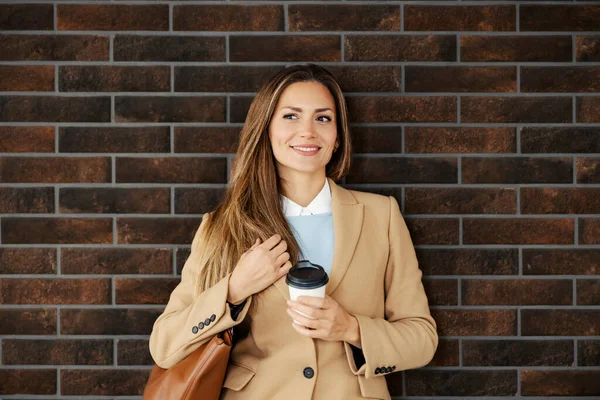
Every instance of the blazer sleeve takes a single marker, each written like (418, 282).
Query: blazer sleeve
(191, 319)
(407, 338)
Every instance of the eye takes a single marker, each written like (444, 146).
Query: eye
(289, 115)
(325, 116)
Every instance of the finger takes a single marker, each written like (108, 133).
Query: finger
(308, 310)
(285, 268)
(271, 242)
(316, 302)
(280, 248)
(256, 243)
(302, 320)
(283, 257)
(315, 334)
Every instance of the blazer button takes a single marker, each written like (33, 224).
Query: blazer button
(207, 322)
(201, 325)
(377, 370)
(212, 318)
(393, 368)
(309, 372)
(195, 330)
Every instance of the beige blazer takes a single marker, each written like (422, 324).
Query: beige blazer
(374, 276)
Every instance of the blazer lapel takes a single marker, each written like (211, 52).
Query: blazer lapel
(347, 224)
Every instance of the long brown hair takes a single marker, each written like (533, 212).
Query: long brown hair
(252, 204)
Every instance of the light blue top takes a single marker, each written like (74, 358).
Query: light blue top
(314, 234)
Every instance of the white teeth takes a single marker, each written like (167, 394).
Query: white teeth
(306, 148)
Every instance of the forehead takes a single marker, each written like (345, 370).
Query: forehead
(306, 95)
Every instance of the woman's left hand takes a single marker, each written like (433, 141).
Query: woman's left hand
(330, 321)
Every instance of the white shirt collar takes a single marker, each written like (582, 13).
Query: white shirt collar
(320, 204)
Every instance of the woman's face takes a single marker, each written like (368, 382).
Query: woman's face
(303, 131)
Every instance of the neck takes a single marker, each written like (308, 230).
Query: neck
(303, 188)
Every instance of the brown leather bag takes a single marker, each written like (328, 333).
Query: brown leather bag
(199, 376)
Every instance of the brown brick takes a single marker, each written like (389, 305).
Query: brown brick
(516, 48)
(468, 261)
(16, 260)
(441, 292)
(55, 291)
(114, 79)
(376, 139)
(54, 109)
(133, 352)
(588, 170)
(402, 109)
(501, 353)
(112, 17)
(26, 200)
(54, 48)
(488, 292)
(169, 48)
(400, 48)
(367, 79)
(588, 353)
(238, 108)
(589, 230)
(222, 78)
(313, 48)
(144, 290)
(35, 321)
(588, 292)
(560, 79)
(116, 261)
(433, 230)
(55, 170)
(317, 17)
(516, 109)
(460, 79)
(560, 140)
(27, 17)
(559, 18)
(560, 322)
(58, 352)
(446, 354)
(157, 230)
(560, 383)
(26, 139)
(518, 230)
(197, 200)
(560, 200)
(588, 48)
(588, 109)
(107, 382)
(172, 170)
(403, 170)
(460, 201)
(561, 262)
(476, 322)
(182, 256)
(517, 170)
(56, 230)
(147, 139)
(460, 18)
(206, 139)
(170, 109)
(115, 200)
(107, 321)
(27, 381)
(460, 383)
(460, 139)
(22, 78)
(228, 18)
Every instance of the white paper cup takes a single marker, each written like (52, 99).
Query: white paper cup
(306, 279)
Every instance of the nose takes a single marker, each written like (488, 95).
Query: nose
(307, 130)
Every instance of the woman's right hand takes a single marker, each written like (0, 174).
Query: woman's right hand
(258, 268)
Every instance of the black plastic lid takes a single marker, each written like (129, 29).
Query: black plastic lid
(306, 275)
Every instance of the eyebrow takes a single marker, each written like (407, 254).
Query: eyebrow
(298, 109)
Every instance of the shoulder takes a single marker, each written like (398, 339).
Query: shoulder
(372, 200)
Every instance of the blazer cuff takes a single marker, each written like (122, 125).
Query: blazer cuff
(235, 309)
(369, 353)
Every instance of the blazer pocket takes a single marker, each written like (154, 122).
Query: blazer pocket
(237, 376)
(374, 388)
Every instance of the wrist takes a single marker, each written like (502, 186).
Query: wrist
(233, 295)
(354, 333)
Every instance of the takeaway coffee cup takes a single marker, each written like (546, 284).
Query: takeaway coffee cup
(306, 279)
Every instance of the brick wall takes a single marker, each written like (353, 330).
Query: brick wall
(118, 123)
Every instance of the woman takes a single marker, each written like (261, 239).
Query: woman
(283, 205)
